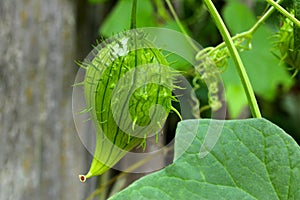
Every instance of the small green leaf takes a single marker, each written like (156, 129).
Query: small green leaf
(253, 159)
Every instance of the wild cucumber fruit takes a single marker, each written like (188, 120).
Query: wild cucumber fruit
(287, 45)
(124, 83)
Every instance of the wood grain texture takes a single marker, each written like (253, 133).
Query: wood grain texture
(40, 151)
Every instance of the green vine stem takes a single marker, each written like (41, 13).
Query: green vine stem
(236, 58)
(177, 20)
(133, 15)
(263, 18)
(297, 28)
(162, 12)
(284, 12)
(176, 17)
(249, 33)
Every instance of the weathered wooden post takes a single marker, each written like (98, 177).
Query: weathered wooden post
(40, 152)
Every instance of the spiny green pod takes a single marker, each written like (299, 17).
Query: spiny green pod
(289, 50)
(128, 92)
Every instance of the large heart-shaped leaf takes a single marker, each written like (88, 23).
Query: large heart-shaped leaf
(252, 159)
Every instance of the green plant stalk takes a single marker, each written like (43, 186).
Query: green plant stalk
(236, 58)
(297, 28)
(284, 12)
(176, 17)
(133, 15)
(253, 29)
(182, 29)
(162, 12)
(263, 18)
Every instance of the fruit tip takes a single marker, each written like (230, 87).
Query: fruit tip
(82, 178)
